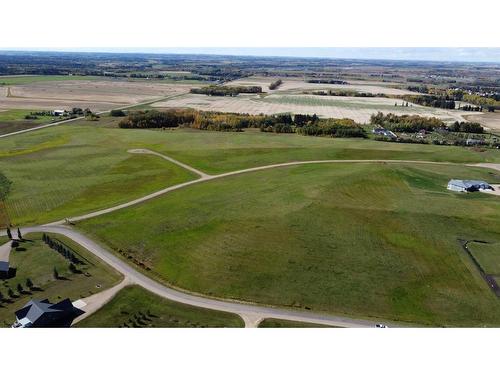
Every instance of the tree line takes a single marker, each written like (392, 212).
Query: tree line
(349, 93)
(213, 90)
(406, 123)
(327, 81)
(466, 127)
(274, 85)
(303, 124)
(62, 249)
(435, 101)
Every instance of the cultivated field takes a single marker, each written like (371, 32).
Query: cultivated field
(98, 95)
(295, 85)
(136, 307)
(488, 120)
(358, 109)
(368, 240)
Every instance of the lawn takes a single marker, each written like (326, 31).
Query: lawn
(73, 169)
(281, 323)
(136, 307)
(367, 240)
(33, 259)
(13, 120)
(26, 79)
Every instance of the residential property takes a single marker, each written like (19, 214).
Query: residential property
(43, 314)
(4, 269)
(468, 185)
(384, 132)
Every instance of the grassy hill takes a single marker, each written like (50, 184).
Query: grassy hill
(369, 240)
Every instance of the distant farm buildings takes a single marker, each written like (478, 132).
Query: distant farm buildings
(59, 112)
(468, 185)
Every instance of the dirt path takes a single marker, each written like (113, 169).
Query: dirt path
(251, 314)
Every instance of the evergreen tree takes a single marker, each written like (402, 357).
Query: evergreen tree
(20, 288)
(1, 297)
(19, 234)
(72, 268)
(56, 274)
(9, 234)
(11, 293)
(29, 283)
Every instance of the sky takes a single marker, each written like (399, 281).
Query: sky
(403, 53)
(315, 28)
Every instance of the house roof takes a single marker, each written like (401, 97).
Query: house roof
(4, 266)
(46, 314)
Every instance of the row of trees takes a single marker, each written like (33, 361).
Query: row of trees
(406, 123)
(274, 85)
(431, 101)
(20, 290)
(466, 127)
(349, 93)
(62, 249)
(226, 90)
(327, 81)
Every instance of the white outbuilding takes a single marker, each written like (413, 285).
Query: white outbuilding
(468, 185)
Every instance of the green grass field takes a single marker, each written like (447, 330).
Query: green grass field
(488, 256)
(73, 169)
(35, 260)
(369, 240)
(68, 171)
(280, 323)
(23, 80)
(136, 307)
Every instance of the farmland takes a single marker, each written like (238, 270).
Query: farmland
(33, 259)
(136, 307)
(358, 109)
(98, 95)
(27, 79)
(361, 239)
(70, 170)
(14, 120)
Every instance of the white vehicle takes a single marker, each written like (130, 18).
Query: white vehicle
(380, 325)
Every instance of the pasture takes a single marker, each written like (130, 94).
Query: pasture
(134, 306)
(367, 240)
(33, 259)
(73, 169)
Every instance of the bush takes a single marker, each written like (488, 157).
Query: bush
(117, 113)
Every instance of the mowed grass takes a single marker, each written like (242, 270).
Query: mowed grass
(26, 79)
(35, 260)
(369, 240)
(72, 169)
(62, 172)
(136, 307)
(281, 323)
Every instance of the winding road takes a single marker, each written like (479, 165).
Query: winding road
(251, 314)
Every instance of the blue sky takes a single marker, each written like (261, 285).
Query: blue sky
(404, 53)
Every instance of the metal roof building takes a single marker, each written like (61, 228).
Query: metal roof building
(468, 185)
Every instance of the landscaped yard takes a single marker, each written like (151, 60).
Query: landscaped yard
(34, 260)
(136, 307)
(367, 240)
